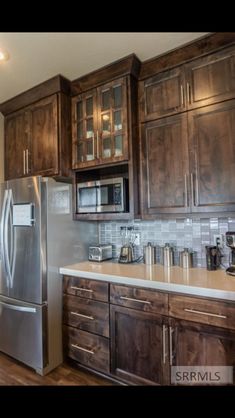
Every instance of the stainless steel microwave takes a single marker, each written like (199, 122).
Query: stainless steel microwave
(109, 195)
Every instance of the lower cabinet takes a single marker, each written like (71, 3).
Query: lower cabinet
(135, 335)
(138, 346)
(86, 322)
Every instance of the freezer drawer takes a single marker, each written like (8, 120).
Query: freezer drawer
(23, 332)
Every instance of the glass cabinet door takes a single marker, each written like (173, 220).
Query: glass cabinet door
(112, 121)
(84, 129)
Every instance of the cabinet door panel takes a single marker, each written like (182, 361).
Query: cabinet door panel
(165, 166)
(162, 95)
(137, 346)
(211, 78)
(44, 136)
(212, 132)
(16, 143)
(201, 345)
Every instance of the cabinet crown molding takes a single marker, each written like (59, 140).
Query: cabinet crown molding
(49, 87)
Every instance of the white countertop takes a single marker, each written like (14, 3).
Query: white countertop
(194, 281)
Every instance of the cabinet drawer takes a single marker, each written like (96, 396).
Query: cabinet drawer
(86, 314)
(85, 288)
(221, 314)
(89, 349)
(140, 299)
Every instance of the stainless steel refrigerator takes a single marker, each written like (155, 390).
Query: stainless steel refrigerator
(37, 236)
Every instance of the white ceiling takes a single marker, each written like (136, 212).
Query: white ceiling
(36, 57)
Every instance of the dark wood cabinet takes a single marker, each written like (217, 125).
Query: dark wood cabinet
(188, 162)
(212, 143)
(86, 322)
(16, 144)
(203, 81)
(38, 136)
(139, 342)
(165, 166)
(137, 346)
(194, 344)
(100, 129)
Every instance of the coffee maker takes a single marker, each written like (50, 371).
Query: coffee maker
(127, 249)
(230, 242)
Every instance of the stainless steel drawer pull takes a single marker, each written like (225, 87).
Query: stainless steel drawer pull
(82, 349)
(81, 288)
(135, 300)
(83, 316)
(205, 313)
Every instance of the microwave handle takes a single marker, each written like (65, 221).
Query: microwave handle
(98, 196)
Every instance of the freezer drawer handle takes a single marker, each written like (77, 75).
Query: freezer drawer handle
(18, 308)
(81, 288)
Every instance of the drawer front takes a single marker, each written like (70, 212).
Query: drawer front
(89, 349)
(85, 288)
(221, 314)
(140, 299)
(86, 314)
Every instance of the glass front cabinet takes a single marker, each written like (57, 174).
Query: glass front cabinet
(100, 131)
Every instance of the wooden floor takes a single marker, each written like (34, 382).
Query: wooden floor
(14, 373)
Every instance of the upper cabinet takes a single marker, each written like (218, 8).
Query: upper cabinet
(100, 129)
(104, 114)
(203, 81)
(38, 136)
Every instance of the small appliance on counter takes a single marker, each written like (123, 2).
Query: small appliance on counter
(100, 252)
(230, 242)
(127, 249)
(186, 258)
(149, 254)
(167, 255)
(213, 257)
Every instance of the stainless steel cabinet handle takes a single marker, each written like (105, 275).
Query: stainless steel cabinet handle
(164, 353)
(188, 93)
(27, 161)
(82, 349)
(24, 162)
(185, 190)
(171, 330)
(205, 313)
(81, 288)
(98, 148)
(192, 188)
(83, 316)
(135, 300)
(182, 95)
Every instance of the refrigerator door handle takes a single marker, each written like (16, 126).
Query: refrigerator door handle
(3, 225)
(18, 308)
(13, 243)
(6, 249)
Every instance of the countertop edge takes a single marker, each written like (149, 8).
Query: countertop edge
(168, 287)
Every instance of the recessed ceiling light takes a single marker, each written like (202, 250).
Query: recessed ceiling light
(4, 56)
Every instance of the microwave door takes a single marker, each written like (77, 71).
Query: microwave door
(87, 197)
(109, 197)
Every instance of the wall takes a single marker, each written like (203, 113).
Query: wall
(1, 149)
(191, 233)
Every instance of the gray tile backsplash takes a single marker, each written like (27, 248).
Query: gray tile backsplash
(194, 234)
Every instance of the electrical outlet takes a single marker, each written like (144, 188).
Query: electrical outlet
(137, 239)
(219, 240)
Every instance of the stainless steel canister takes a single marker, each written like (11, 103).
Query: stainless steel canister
(186, 258)
(168, 255)
(149, 254)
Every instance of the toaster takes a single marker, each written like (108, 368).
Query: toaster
(100, 252)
